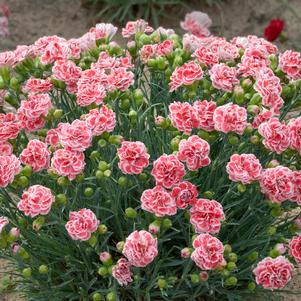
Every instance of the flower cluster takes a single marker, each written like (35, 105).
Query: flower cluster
(165, 163)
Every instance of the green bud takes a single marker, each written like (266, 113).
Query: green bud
(162, 283)
(152, 63)
(145, 39)
(143, 176)
(231, 266)
(241, 187)
(94, 155)
(61, 198)
(204, 135)
(43, 269)
(27, 272)
(175, 143)
(232, 257)
(227, 249)
(256, 99)
(99, 175)
(178, 61)
(225, 273)
(120, 245)
(122, 181)
(38, 223)
(195, 278)
(102, 229)
(255, 139)
(107, 173)
(14, 83)
(2, 83)
(57, 114)
(231, 281)
(103, 165)
(238, 94)
(161, 63)
(251, 286)
(22, 222)
(274, 253)
(88, 192)
(125, 104)
(209, 194)
(102, 143)
(103, 271)
(166, 223)
(271, 231)
(80, 178)
(23, 181)
(275, 212)
(111, 296)
(233, 140)
(115, 139)
(133, 115)
(92, 241)
(253, 256)
(130, 212)
(62, 181)
(96, 297)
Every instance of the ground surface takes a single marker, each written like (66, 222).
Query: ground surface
(31, 19)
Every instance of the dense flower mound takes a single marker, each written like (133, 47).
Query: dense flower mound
(169, 169)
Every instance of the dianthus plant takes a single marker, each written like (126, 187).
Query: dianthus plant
(164, 170)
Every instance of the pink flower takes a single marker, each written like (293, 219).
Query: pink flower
(223, 77)
(36, 155)
(105, 257)
(7, 59)
(183, 116)
(230, 118)
(273, 273)
(165, 48)
(6, 149)
(147, 52)
(185, 193)
(191, 42)
(254, 59)
(87, 41)
(206, 56)
(37, 85)
(3, 222)
(260, 118)
(168, 171)
(133, 157)
(36, 200)
(120, 79)
(275, 134)
(297, 187)
(101, 120)
(33, 110)
(121, 272)
(52, 137)
(68, 72)
(197, 23)
(9, 167)
(140, 248)
(104, 31)
(205, 110)
(290, 63)
(244, 168)
(208, 253)
(88, 93)
(133, 27)
(158, 201)
(206, 216)
(224, 50)
(76, 136)
(277, 183)
(269, 88)
(68, 163)
(9, 127)
(295, 248)
(187, 74)
(294, 129)
(81, 224)
(185, 253)
(194, 152)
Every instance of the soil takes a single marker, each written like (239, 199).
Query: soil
(31, 19)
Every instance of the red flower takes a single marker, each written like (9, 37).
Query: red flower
(274, 29)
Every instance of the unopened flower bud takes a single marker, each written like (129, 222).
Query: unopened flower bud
(231, 281)
(231, 266)
(195, 278)
(232, 257)
(115, 139)
(105, 258)
(88, 192)
(111, 296)
(166, 223)
(96, 297)
(92, 241)
(227, 249)
(241, 187)
(271, 231)
(255, 99)
(57, 114)
(130, 212)
(154, 227)
(273, 163)
(251, 286)
(43, 269)
(23, 181)
(27, 171)
(253, 256)
(15, 232)
(120, 245)
(253, 109)
(274, 253)
(186, 252)
(204, 276)
(15, 248)
(238, 94)
(26, 272)
(38, 223)
(162, 284)
(103, 271)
